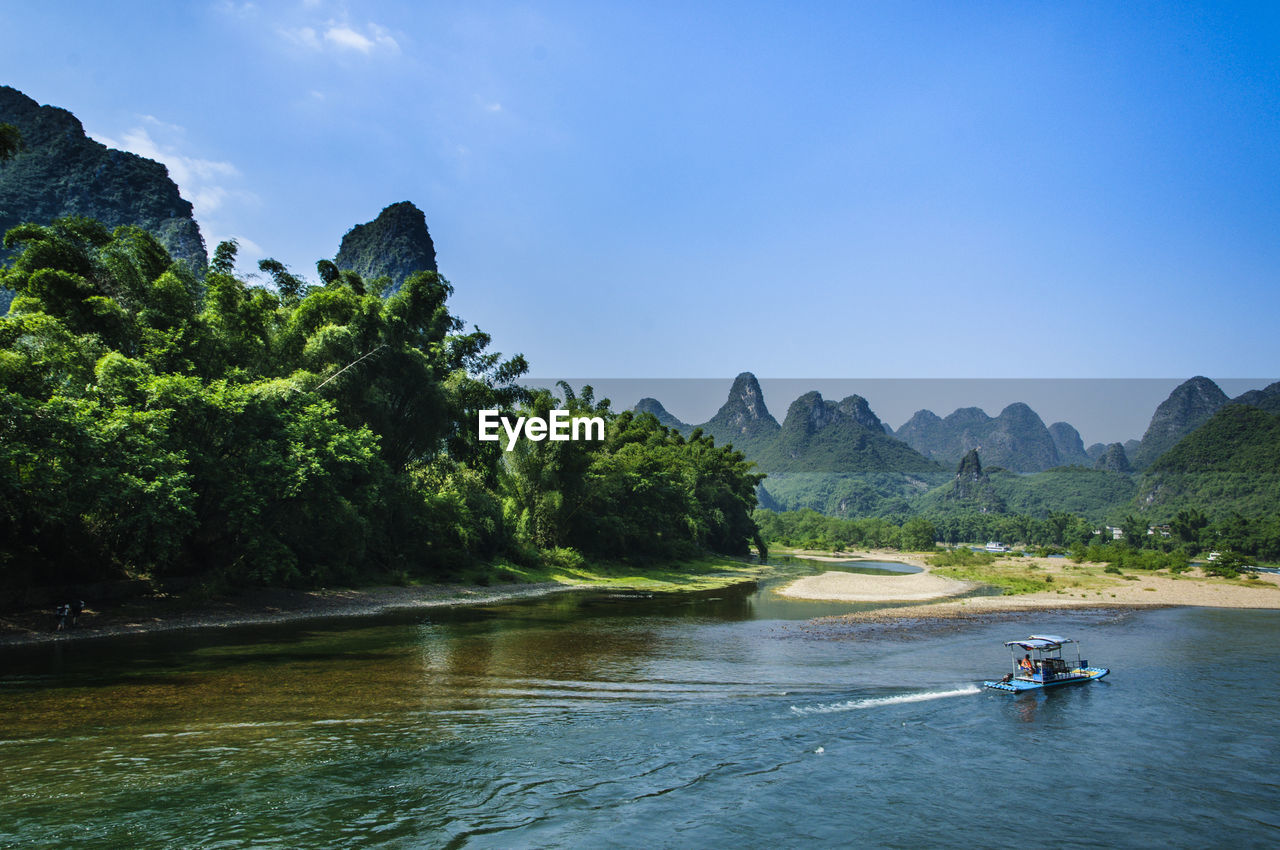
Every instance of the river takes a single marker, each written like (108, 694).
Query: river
(630, 720)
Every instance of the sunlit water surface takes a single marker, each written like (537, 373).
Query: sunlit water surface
(595, 719)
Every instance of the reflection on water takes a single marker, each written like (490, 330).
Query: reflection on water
(637, 720)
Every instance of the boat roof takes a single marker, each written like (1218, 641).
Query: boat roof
(1040, 642)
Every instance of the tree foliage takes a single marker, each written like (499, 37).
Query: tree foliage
(158, 424)
(10, 142)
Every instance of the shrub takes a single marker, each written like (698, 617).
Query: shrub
(962, 557)
(563, 557)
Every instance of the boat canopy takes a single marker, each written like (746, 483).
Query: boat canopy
(1040, 642)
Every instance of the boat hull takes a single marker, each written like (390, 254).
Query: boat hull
(1017, 686)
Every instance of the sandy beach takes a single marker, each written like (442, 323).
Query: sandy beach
(1080, 586)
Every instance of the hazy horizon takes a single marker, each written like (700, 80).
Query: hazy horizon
(1103, 410)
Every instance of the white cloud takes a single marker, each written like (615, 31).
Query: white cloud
(347, 38)
(343, 38)
(207, 183)
(304, 37)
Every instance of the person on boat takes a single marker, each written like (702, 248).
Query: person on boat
(1026, 665)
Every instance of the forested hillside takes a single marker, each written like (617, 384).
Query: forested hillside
(157, 423)
(1231, 464)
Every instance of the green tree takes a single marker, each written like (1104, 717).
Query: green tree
(1135, 530)
(918, 535)
(10, 142)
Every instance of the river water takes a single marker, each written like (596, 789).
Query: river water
(627, 720)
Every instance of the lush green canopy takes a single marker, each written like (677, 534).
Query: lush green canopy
(159, 424)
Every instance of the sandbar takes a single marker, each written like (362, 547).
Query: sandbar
(1135, 589)
(833, 586)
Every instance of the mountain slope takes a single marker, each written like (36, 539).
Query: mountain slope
(1188, 407)
(743, 420)
(828, 437)
(1071, 451)
(62, 172)
(652, 405)
(1267, 398)
(1017, 439)
(1231, 464)
(1097, 495)
(1114, 459)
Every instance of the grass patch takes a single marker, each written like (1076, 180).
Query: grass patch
(693, 574)
(962, 557)
(1016, 577)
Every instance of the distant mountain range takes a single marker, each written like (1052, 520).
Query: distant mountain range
(839, 457)
(832, 456)
(819, 435)
(1017, 439)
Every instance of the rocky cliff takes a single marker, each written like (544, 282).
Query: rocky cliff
(394, 245)
(743, 420)
(60, 172)
(1187, 408)
(1071, 451)
(972, 487)
(1114, 459)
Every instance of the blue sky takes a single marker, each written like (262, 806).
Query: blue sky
(671, 190)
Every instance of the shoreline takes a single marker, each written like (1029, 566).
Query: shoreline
(275, 606)
(262, 606)
(266, 607)
(1078, 587)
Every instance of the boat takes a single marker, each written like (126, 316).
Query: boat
(996, 546)
(1048, 667)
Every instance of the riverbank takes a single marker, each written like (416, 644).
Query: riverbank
(268, 606)
(259, 606)
(1061, 584)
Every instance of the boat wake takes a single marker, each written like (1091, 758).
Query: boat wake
(877, 702)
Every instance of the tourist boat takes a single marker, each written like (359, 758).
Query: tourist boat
(996, 546)
(1049, 668)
